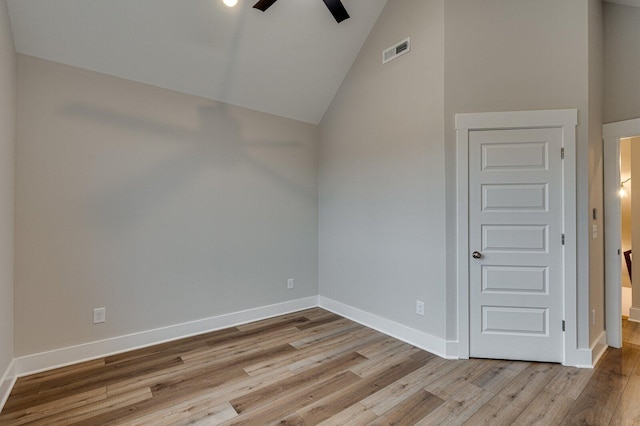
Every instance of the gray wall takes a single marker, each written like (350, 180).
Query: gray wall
(167, 208)
(512, 55)
(387, 159)
(622, 62)
(7, 139)
(162, 207)
(382, 193)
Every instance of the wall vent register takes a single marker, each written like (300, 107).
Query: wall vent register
(396, 50)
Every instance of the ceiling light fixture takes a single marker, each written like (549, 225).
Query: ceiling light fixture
(623, 192)
(230, 3)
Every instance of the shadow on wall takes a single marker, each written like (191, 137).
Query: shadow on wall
(216, 145)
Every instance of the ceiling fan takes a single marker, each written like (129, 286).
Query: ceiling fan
(335, 7)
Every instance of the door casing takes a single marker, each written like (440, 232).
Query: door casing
(566, 120)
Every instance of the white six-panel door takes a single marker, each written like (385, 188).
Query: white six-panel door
(515, 244)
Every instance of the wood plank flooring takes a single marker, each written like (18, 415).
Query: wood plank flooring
(314, 367)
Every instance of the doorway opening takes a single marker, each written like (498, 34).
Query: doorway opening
(628, 162)
(619, 138)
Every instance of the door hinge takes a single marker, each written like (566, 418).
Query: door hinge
(563, 325)
(618, 252)
(562, 239)
(562, 153)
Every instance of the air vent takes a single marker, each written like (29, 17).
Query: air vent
(397, 50)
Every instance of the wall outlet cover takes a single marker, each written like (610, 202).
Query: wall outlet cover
(99, 315)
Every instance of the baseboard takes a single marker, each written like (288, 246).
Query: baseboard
(634, 314)
(36, 363)
(6, 383)
(588, 358)
(583, 358)
(409, 335)
(599, 348)
(452, 349)
(30, 364)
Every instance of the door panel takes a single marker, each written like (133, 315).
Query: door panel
(531, 156)
(515, 320)
(515, 223)
(519, 279)
(512, 238)
(514, 197)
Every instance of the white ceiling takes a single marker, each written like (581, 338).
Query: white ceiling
(288, 61)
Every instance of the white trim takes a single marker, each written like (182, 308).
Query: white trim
(419, 339)
(462, 226)
(612, 241)
(621, 129)
(452, 349)
(6, 383)
(612, 133)
(602, 340)
(35, 363)
(583, 358)
(570, 225)
(634, 314)
(517, 119)
(588, 358)
(567, 119)
(599, 348)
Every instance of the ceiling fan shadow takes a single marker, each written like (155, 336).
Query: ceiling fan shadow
(158, 160)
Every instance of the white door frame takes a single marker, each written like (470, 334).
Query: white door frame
(566, 120)
(612, 133)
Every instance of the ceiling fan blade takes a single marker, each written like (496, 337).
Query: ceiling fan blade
(337, 10)
(263, 4)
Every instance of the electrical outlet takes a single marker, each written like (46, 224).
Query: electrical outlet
(419, 307)
(99, 315)
(593, 317)
(290, 283)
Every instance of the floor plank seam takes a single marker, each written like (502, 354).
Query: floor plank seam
(315, 367)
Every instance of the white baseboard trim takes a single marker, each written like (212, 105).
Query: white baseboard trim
(599, 348)
(452, 349)
(602, 339)
(6, 382)
(583, 359)
(409, 335)
(588, 358)
(634, 314)
(56, 358)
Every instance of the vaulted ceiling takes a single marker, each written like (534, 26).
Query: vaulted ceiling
(287, 61)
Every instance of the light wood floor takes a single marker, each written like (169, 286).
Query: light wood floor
(314, 367)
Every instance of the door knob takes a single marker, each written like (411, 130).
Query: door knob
(476, 255)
